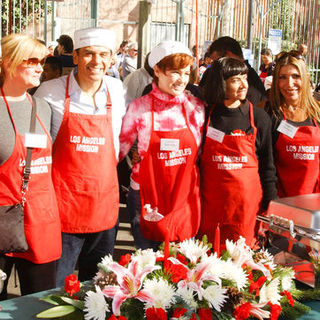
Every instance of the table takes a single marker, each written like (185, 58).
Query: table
(26, 307)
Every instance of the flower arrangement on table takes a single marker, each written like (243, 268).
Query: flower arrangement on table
(184, 281)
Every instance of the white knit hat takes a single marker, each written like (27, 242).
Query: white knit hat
(166, 48)
(94, 37)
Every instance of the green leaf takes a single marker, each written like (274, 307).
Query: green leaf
(77, 303)
(49, 299)
(55, 312)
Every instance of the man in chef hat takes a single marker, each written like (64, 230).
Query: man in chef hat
(87, 110)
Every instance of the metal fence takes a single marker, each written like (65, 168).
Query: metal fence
(191, 20)
(26, 16)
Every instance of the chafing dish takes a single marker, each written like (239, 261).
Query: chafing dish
(293, 226)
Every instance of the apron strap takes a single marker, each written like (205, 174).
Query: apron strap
(67, 97)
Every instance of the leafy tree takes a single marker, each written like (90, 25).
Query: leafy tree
(24, 10)
(282, 17)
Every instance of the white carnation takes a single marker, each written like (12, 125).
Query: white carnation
(286, 281)
(235, 273)
(193, 249)
(95, 305)
(145, 258)
(215, 295)
(161, 291)
(106, 261)
(270, 292)
(187, 295)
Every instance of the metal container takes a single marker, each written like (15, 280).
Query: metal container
(293, 226)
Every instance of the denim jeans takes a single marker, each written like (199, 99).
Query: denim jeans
(87, 249)
(134, 209)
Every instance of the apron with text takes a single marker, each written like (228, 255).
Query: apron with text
(231, 190)
(169, 181)
(41, 216)
(84, 171)
(297, 161)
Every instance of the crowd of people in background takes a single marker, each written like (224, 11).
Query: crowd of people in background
(206, 148)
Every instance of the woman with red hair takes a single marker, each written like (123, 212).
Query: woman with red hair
(168, 125)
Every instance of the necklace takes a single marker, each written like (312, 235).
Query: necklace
(291, 108)
(295, 113)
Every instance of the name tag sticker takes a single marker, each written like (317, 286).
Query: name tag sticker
(215, 134)
(287, 129)
(33, 140)
(169, 144)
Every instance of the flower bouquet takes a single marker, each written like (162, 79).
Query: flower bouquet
(183, 281)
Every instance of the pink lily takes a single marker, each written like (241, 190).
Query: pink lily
(196, 276)
(241, 255)
(130, 282)
(258, 312)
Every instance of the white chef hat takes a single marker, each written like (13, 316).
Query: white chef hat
(94, 37)
(166, 48)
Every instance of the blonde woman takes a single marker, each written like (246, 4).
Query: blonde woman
(21, 67)
(296, 135)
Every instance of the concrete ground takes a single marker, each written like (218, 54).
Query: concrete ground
(124, 244)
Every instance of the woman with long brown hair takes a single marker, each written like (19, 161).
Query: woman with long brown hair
(296, 135)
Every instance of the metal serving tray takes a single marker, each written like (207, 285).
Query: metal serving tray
(293, 226)
(295, 217)
(303, 210)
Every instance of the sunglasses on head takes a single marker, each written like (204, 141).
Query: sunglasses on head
(33, 62)
(293, 53)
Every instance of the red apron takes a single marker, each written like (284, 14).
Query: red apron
(85, 171)
(231, 190)
(169, 180)
(297, 162)
(41, 216)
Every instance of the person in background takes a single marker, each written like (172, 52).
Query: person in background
(130, 60)
(168, 123)
(65, 49)
(21, 67)
(206, 63)
(52, 69)
(87, 110)
(229, 47)
(113, 70)
(121, 53)
(136, 81)
(303, 49)
(267, 65)
(295, 118)
(238, 176)
(51, 46)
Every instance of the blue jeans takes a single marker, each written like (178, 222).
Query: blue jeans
(86, 248)
(134, 209)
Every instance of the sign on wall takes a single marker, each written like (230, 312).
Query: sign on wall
(275, 40)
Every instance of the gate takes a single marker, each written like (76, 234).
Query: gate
(27, 16)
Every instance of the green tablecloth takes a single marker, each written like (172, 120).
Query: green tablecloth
(26, 307)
